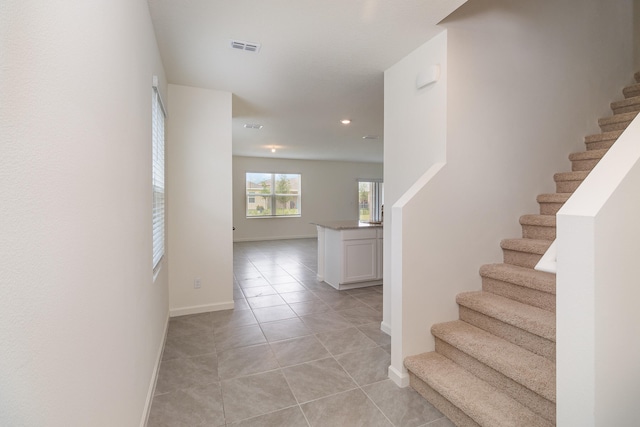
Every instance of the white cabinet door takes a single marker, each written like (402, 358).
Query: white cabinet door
(360, 260)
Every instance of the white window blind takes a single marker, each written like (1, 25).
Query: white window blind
(157, 172)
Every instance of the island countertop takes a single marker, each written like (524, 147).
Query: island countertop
(347, 225)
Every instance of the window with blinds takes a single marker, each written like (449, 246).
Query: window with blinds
(370, 196)
(157, 174)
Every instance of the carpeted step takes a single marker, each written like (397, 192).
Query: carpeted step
(525, 285)
(601, 141)
(550, 204)
(464, 398)
(586, 160)
(521, 324)
(523, 252)
(626, 105)
(541, 227)
(519, 373)
(568, 182)
(617, 122)
(631, 91)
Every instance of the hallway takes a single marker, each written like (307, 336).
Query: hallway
(294, 352)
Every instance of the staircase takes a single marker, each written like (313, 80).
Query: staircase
(495, 366)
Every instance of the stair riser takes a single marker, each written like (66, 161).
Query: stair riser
(543, 300)
(513, 334)
(550, 208)
(600, 145)
(567, 186)
(538, 232)
(521, 259)
(627, 109)
(615, 126)
(457, 416)
(536, 403)
(583, 165)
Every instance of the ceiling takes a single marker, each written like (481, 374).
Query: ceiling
(319, 61)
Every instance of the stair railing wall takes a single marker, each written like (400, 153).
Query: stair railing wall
(598, 290)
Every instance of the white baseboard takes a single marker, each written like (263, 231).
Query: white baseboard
(154, 377)
(261, 239)
(197, 309)
(400, 378)
(386, 328)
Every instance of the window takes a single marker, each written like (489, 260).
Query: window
(370, 199)
(157, 173)
(273, 195)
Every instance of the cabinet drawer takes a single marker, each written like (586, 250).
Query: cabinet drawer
(362, 233)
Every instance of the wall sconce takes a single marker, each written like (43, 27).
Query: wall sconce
(428, 76)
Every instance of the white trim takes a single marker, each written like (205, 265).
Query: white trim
(154, 377)
(260, 239)
(197, 309)
(549, 261)
(401, 379)
(386, 328)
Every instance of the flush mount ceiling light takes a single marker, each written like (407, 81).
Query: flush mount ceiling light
(246, 46)
(253, 126)
(345, 121)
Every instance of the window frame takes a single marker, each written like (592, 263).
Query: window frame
(158, 192)
(273, 196)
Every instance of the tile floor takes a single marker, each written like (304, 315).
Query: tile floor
(294, 352)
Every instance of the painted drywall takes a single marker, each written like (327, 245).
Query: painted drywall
(526, 82)
(199, 199)
(329, 192)
(82, 320)
(415, 128)
(597, 361)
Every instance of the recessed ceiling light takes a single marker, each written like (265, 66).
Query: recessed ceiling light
(345, 121)
(273, 149)
(253, 126)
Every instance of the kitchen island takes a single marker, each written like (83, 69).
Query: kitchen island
(349, 254)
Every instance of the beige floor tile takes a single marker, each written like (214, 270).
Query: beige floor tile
(317, 379)
(255, 395)
(351, 408)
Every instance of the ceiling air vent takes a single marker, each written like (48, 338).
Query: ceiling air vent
(248, 46)
(253, 126)
(370, 137)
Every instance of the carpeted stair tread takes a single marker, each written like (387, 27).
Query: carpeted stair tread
(523, 316)
(533, 246)
(540, 220)
(568, 182)
(482, 402)
(553, 197)
(617, 121)
(626, 105)
(532, 371)
(570, 176)
(631, 91)
(588, 155)
(541, 227)
(525, 277)
(603, 136)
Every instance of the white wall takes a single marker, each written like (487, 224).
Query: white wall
(415, 134)
(526, 82)
(329, 192)
(199, 198)
(598, 270)
(81, 319)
